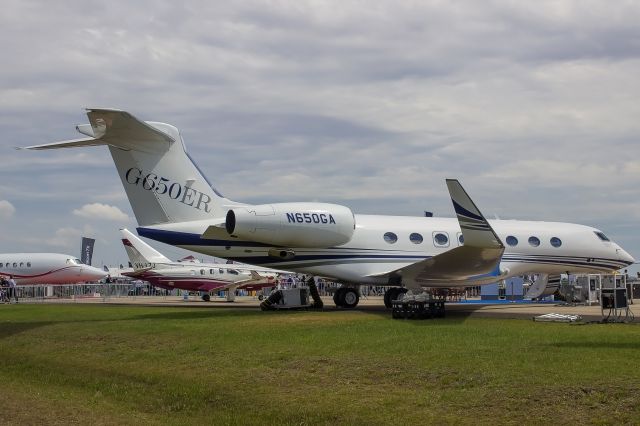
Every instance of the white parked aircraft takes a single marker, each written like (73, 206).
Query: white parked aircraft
(152, 266)
(174, 203)
(47, 268)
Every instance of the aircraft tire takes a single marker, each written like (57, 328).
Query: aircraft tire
(392, 294)
(350, 298)
(387, 300)
(337, 297)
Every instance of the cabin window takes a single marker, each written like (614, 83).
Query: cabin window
(211, 271)
(461, 239)
(440, 239)
(221, 271)
(22, 264)
(555, 241)
(534, 241)
(601, 236)
(28, 264)
(0, 265)
(415, 238)
(390, 237)
(512, 241)
(15, 264)
(202, 271)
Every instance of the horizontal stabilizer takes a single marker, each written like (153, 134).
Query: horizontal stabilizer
(73, 143)
(137, 273)
(119, 129)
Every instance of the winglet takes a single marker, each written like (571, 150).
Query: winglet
(476, 230)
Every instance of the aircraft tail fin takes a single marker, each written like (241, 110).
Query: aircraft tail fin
(162, 182)
(141, 254)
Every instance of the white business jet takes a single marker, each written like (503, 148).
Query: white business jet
(47, 268)
(152, 266)
(174, 203)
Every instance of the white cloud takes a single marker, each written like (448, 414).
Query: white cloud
(65, 237)
(6, 209)
(101, 211)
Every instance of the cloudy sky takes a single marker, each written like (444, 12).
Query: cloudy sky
(534, 106)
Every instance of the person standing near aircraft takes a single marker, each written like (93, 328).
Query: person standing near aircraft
(4, 289)
(12, 289)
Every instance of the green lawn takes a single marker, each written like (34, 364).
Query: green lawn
(123, 365)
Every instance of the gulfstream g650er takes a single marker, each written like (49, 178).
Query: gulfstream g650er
(174, 203)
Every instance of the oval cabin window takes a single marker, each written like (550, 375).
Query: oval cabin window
(415, 238)
(390, 237)
(512, 241)
(441, 239)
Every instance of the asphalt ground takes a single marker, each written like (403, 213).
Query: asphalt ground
(372, 304)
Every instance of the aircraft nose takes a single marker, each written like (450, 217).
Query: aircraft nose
(98, 273)
(625, 257)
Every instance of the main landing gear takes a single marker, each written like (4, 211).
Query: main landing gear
(346, 297)
(392, 294)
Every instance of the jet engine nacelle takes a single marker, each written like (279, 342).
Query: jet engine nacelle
(312, 225)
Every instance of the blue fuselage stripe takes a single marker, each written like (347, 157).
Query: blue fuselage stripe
(339, 254)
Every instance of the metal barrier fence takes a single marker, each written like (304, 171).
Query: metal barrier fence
(72, 292)
(104, 292)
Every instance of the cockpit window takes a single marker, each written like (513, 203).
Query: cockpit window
(601, 236)
(78, 261)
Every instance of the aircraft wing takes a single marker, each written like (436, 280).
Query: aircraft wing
(477, 260)
(137, 272)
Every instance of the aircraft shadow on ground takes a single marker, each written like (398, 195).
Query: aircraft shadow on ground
(197, 314)
(8, 329)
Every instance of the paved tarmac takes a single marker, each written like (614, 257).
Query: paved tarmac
(368, 304)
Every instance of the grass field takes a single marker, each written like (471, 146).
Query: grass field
(84, 364)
